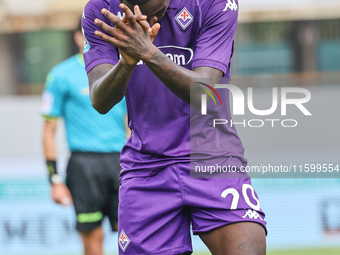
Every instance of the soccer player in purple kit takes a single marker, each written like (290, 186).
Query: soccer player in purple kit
(150, 56)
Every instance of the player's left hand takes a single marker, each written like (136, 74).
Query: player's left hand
(133, 37)
(141, 20)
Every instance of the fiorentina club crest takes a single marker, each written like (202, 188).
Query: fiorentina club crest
(123, 240)
(184, 18)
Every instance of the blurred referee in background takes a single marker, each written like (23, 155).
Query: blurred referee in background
(95, 142)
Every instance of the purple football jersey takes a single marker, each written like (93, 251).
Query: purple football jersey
(193, 33)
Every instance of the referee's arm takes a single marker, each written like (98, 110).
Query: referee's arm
(60, 193)
(48, 139)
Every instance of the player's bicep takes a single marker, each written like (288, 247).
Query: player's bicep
(97, 73)
(209, 72)
(212, 74)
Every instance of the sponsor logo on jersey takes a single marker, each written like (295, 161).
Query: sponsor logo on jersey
(179, 55)
(232, 5)
(252, 215)
(183, 56)
(123, 240)
(184, 18)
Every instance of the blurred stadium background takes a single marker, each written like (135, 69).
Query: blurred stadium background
(281, 38)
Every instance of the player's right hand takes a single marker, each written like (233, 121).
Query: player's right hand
(61, 194)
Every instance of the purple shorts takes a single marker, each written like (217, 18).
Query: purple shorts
(155, 212)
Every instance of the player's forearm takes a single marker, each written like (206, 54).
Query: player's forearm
(108, 86)
(175, 77)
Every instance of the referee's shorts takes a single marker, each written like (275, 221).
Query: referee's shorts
(93, 180)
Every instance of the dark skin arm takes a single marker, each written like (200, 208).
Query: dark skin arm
(177, 78)
(108, 83)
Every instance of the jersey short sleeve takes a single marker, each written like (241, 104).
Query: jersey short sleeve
(96, 51)
(53, 96)
(214, 45)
